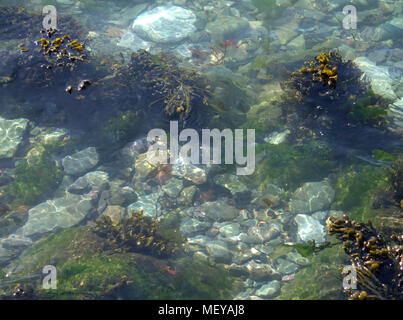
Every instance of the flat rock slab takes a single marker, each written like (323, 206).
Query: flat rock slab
(54, 214)
(165, 24)
(309, 229)
(80, 162)
(11, 135)
(311, 197)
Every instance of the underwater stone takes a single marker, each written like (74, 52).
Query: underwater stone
(262, 233)
(193, 225)
(225, 27)
(173, 187)
(219, 251)
(116, 213)
(295, 257)
(133, 41)
(187, 195)
(11, 135)
(378, 77)
(6, 256)
(98, 179)
(219, 210)
(311, 197)
(309, 229)
(396, 109)
(15, 241)
(57, 213)
(148, 203)
(80, 162)
(230, 182)
(165, 24)
(230, 230)
(189, 172)
(261, 271)
(286, 267)
(57, 135)
(268, 290)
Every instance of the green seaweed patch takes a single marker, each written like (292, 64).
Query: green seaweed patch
(34, 179)
(123, 126)
(289, 166)
(355, 188)
(86, 270)
(319, 281)
(382, 155)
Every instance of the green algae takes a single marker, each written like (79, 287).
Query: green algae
(123, 126)
(34, 178)
(289, 166)
(319, 281)
(355, 188)
(382, 155)
(85, 270)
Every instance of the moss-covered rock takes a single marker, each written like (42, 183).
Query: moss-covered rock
(319, 281)
(85, 270)
(34, 178)
(289, 166)
(355, 191)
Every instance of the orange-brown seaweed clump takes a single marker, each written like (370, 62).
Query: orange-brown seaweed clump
(321, 70)
(376, 261)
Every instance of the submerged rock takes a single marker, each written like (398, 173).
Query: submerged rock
(148, 203)
(57, 213)
(192, 226)
(80, 162)
(219, 251)
(165, 24)
(11, 135)
(230, 182)
(310, 229)
(98, 179)
(225, 27)
(268, 290)
(219, 210)
(311, 197)
(378, 77)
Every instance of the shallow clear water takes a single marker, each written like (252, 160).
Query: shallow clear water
(86, 207)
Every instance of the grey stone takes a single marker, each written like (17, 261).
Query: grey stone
(11, 135)
(268, 290)
(262, 233)
(173, 187)
(295, 257)
(98, 179)
(309, 229)
(132, 41)
(230, 230)
(192, 226)
(219, 251)
(116, 213)
(165, 24)
(261, 271)
(321, 216)
(186, 196)
(189, 172)
(285, 266)
(219, 210)
(230, 182)
(225, 27)
(311, 197)
(57, 213)
(15, 241)
(378, 77)
(80, 162)
(148, 203)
